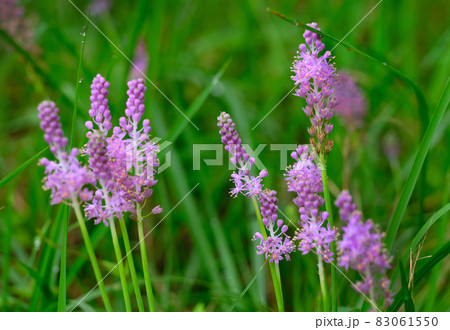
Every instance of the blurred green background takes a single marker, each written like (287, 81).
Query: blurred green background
(201, 255)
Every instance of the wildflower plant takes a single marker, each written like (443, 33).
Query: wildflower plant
(361, 248)
(66, 177)
(304, 178)
(119, 175)
(278, 244)
(314, 75)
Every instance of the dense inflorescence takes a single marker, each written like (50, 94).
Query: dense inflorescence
(65, 176)
(277, 245)
(361, 249)
(351, 102)
(99, 112)
(305, 180)
(315, 77)
(121, 168)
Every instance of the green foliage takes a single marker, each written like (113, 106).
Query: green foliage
(235, 57)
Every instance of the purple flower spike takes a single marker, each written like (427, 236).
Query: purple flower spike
(351, 102)
(315, 76)
(231, 139)
(50, 124)
(305, 179)
(99, 112)
(65, 177)
(135, 104)
(134, 155)
(361, 249)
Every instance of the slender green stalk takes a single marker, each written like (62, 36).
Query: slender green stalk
(62, 295)
(274, 270)
(148, 282)
(126, 242)
(326, 195)
(91, 253)
(323, 284)
(123, 278)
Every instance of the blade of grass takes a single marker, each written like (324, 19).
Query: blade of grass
(62, 294)
(45, 261)
(195, 106)
(436, 273)
(63, 269)
(7, 250)
(37, 68)
(417, 239)
(409, 304)
(420, 273)
(415, 170)
(230, 309)
(14, 173)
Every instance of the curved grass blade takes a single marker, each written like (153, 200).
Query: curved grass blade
(46, 260)
(230, 309)
(409, 304)
(7, 247)
(11, 175)
(420, 273)
(428, 224)
(195, 106)
(417, 165)
(37, 68)
(421, 101)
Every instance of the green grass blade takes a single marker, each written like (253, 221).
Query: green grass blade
(78, 83)
(409, 304)
(417, 165)
(7, 248)
(195, 106)
(427, 226)
(420, 273)
(421, 101)
(230, 309)
(36, 67)
(63, 269)
(11, 175)
(45, 262)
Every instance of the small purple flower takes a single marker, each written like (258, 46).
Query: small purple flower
(315, 76)
(351, 102)
(140, 61)
(304, 178)
(99, 112)
(278, 244)
(361, 249)
(65, 177)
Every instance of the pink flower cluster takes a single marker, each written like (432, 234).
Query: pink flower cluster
(121, 168)
(304, 178)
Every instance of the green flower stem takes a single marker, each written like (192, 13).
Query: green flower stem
(274, 269)
(148, 282)
(90, 250)
(123, 278)
(323, 285)
(126, 241)
(62, 295)
(326, 195)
